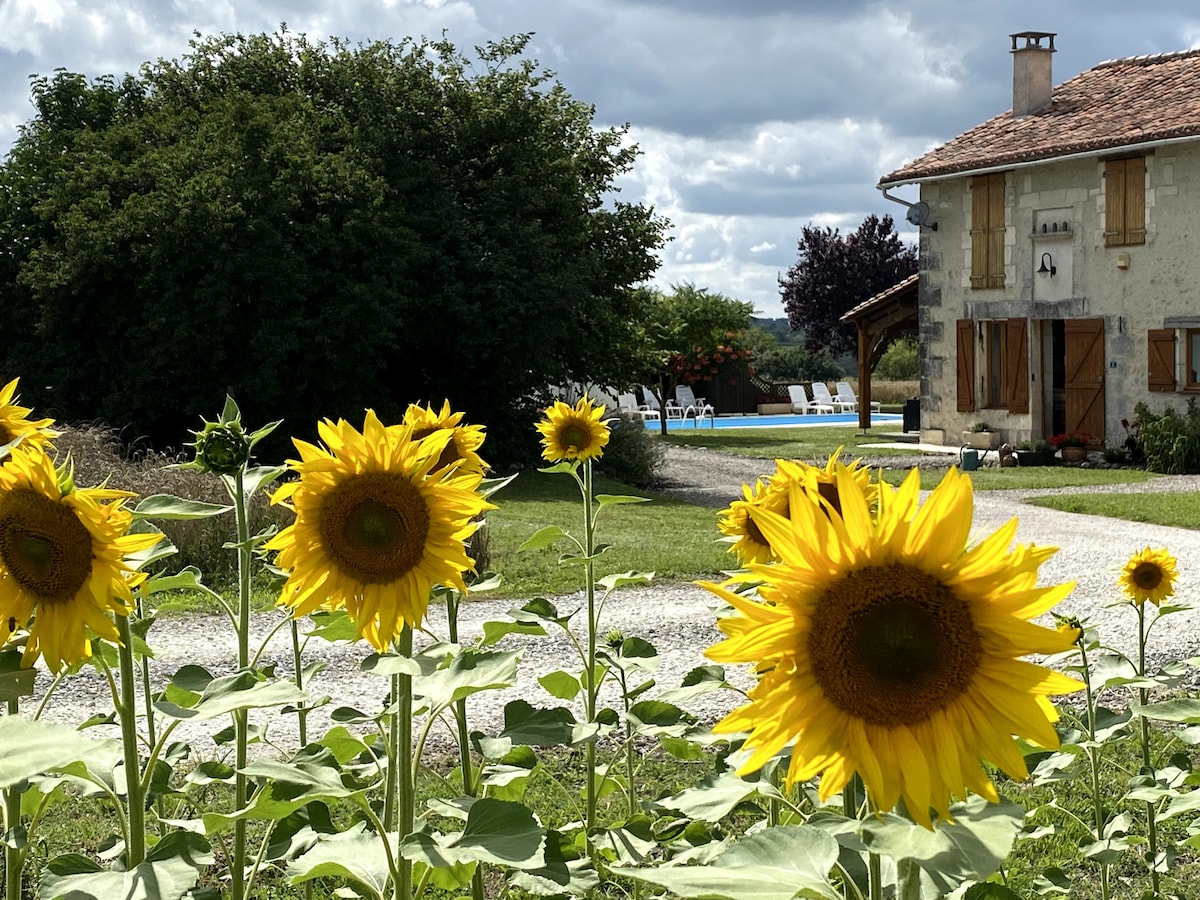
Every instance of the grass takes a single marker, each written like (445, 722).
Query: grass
(996, 479)
(675, 540)
(1178, 510)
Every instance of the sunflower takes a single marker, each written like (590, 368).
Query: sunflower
(62, 558)
(573, 432)
(737, 521)
(1149, 575)
(465, 440)
(377, 526)
(15, 424)
(884, 646)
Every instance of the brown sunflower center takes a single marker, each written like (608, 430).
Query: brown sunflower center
(1147, 576)
(891, 645)
(754, 534)
(44, 546)
(829, 493)
(374, 527)
(575, 434)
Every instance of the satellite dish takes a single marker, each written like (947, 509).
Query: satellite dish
(918, 214)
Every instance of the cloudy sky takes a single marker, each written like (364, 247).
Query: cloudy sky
(755, 117)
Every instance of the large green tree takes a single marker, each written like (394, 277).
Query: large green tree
(835, 273)
(691, 334)
(316, 228)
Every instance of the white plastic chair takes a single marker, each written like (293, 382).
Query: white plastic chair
(801, 404)
(693, 406)
(822, 396)
(628, 404)
(846, 394)
(674, 411)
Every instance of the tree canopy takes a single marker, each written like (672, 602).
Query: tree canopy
(834, 274)
(316, 228)
(691, 335)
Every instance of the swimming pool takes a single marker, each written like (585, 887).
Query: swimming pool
(788, 421)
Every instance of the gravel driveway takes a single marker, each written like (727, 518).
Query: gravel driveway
(678, 618)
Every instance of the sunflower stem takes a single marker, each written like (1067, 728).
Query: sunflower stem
(13, 856)
(1094, 761)
(241, 717)
(1143, 699)
(463, 737)
(135, 810)
(403, 762)
(589, 674)
(298, 675)
(147, 697)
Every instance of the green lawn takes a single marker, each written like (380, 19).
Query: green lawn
(790, 443)
(1180, 510)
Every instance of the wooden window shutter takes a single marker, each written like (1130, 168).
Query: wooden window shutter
(966, 365)
(996, 231)
(1160, 359)
(1017, 348)
(980, 206)
(1125, 201)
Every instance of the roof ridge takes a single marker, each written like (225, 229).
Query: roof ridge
(1147, 59)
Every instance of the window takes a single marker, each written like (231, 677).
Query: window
(995, 386)
(987, 231)
(1125, 202)
(1193, 359)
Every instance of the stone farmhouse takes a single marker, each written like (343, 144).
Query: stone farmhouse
(1060, 252)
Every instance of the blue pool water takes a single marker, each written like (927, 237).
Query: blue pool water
(790, 421)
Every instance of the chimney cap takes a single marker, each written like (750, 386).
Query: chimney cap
(1033, 40)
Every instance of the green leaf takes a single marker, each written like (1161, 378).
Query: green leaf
(497, 831)
(715, 796)
(1182, 710)
(776, 864)
(612, 582)
(970, 849)
(467, 672)
(493, 632)
(656, 718)
(333, 626)
(15, 681)
(617, 499)
(28, 748)
(187, 578)
(562, 685)
(355, 854)
(989, 891)
(698, 682)
(170, 870)
(343, 744)
(542, 538)
(241, 690)
(260, 477)
(164, 506)
(389, 664)
(524, 724)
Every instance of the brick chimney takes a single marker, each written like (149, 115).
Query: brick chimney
(1031, 72)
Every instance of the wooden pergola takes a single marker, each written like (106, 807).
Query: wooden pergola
(880, 320)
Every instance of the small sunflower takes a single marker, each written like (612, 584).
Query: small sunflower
(1149, 575)
(14, 421)
(62, 558)
(377, 526)
(573, 432)
(465, 440)
(885, 646)
(737, 521)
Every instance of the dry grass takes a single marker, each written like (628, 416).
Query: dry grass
(96, 454)
(890, 392)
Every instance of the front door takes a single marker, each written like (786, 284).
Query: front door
(1084, 384)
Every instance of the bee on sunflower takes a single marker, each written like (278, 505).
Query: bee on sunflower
(378, 524)
(63, 559)
(884, 646)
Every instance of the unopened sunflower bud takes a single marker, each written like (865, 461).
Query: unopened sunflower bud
(222, 447)
(614, 639)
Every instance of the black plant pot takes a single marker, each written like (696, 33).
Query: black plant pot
(1035, 457)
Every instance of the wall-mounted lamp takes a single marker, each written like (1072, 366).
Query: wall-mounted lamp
(1047, 267)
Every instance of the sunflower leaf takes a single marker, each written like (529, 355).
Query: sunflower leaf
(715, 796)
(164, 506)
(497, 831)
(466, 673)
(561, 685)
(241, 690)
(170, 870)
(542, 538)
(260, 477)
(612, 582)
(617, 499)
(493, 632)
(29, 747)
(1183, 710)
(354, 854)
(776, 864)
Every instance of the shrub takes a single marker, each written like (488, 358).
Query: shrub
(1170, 441)
(900, 361)
(792, 364)
(96, 455)
(633, 455)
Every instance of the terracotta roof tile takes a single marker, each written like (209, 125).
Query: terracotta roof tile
(1118, 103)
(883, 297)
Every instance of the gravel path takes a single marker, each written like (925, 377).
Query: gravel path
(676, 618)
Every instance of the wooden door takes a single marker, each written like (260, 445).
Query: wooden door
(1085, 376)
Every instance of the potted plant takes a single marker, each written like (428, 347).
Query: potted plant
(1035, 452)
(773, 406)
(1071, 446)
(981, 437)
